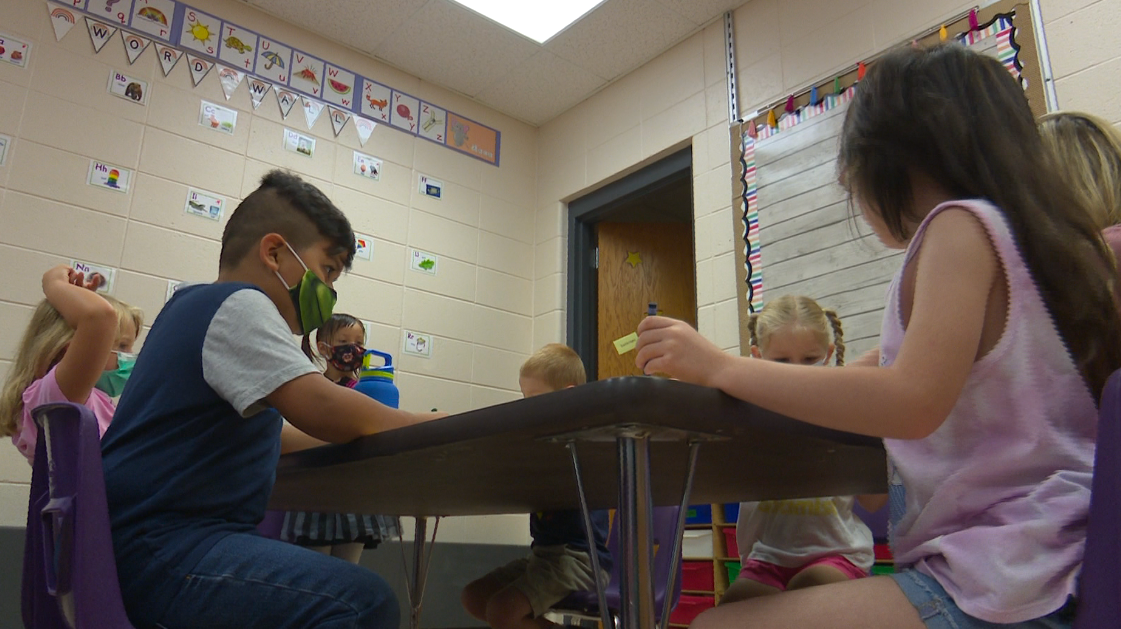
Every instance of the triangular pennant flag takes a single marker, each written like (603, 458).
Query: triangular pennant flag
(168, 57)
(99, 33)
(973, 20)
(312, 109)
(813, 95)
(752, 132)
(135, 45)
(789, 104)
(62, 19)
(339, 117)
(230, 79)
(836, 85)
(257, 90)
(771, 122)
(942, 34)
(365, 128)
(860, 70)
(286, 99)
(199, 68)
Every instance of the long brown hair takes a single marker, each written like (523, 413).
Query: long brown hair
(959, 118)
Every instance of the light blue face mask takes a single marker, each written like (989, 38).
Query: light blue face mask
(112, 381)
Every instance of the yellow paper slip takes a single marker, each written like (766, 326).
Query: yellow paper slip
(627, 343)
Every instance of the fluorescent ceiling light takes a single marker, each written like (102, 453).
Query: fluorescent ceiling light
(538, 20)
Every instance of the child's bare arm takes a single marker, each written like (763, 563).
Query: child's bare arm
(292, 439)
(872, 502)
(871, 358)
(326, 411)
(95, 329)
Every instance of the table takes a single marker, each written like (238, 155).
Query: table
(630, 443)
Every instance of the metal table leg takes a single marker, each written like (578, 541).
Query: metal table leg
(417, 578)
(635, 515)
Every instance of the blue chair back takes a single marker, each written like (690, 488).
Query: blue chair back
(69, 570)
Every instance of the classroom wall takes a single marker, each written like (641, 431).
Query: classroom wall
(1082, 36)
(677, 100)
(680, 99)
(479, 306)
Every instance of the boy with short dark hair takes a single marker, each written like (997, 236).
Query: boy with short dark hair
(515, 596)
(191, 455)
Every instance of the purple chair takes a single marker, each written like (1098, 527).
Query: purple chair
(1099, 594)
(69, 571)
(584, 605)
(876, 522)
(272, 525)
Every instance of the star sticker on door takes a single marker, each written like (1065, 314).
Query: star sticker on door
(634, 259)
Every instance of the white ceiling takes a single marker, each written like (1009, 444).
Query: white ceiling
(445, 43)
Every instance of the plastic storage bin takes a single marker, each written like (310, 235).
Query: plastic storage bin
(733, 568)
(697, 545)
(697, 576)
(732, 512)
(883, 568)
(730, 541)
(689, 607)
(882, 552)
(699, 514)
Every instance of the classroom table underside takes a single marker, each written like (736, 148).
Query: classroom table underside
(630, 443)
(511, 458)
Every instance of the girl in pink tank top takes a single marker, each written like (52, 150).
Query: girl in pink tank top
(1000, 331)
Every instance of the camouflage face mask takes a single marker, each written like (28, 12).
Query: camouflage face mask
(313, 299)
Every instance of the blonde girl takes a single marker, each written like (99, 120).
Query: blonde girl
(1000, 330)
(77, 348)
(1086, 153)
(794, 544)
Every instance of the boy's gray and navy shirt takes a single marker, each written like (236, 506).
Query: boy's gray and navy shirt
(192, 451)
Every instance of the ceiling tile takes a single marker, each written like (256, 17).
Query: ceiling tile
(620, 35)
(701, 12)
(361, 24)
(448, 44)
(540, 88)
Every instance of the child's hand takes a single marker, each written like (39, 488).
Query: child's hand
(675, 348)
(60, 273)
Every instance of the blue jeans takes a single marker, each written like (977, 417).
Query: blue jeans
(938, 610)
(248, 581)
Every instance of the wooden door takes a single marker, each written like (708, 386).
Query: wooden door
(640, 263)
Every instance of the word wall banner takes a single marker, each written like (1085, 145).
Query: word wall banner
(208, 40)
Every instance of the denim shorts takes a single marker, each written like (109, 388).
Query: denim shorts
(938, 610)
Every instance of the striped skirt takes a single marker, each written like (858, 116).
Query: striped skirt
(327, 529)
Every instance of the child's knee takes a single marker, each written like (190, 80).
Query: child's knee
(378, 607)
(474, 600)
(508, 608)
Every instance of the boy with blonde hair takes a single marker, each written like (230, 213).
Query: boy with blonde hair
(515, 596)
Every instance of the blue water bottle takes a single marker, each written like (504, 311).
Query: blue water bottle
(377, 381)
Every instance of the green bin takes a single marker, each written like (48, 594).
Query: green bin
(733, 568)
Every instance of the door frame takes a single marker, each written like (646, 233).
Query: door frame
(583, 214)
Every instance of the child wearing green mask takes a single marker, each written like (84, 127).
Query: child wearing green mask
(77, 348)
(191, 456)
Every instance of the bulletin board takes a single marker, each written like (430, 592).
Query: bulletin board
(793, 228)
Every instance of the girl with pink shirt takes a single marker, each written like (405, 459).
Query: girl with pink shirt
(77, 348)
(1000, 331)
